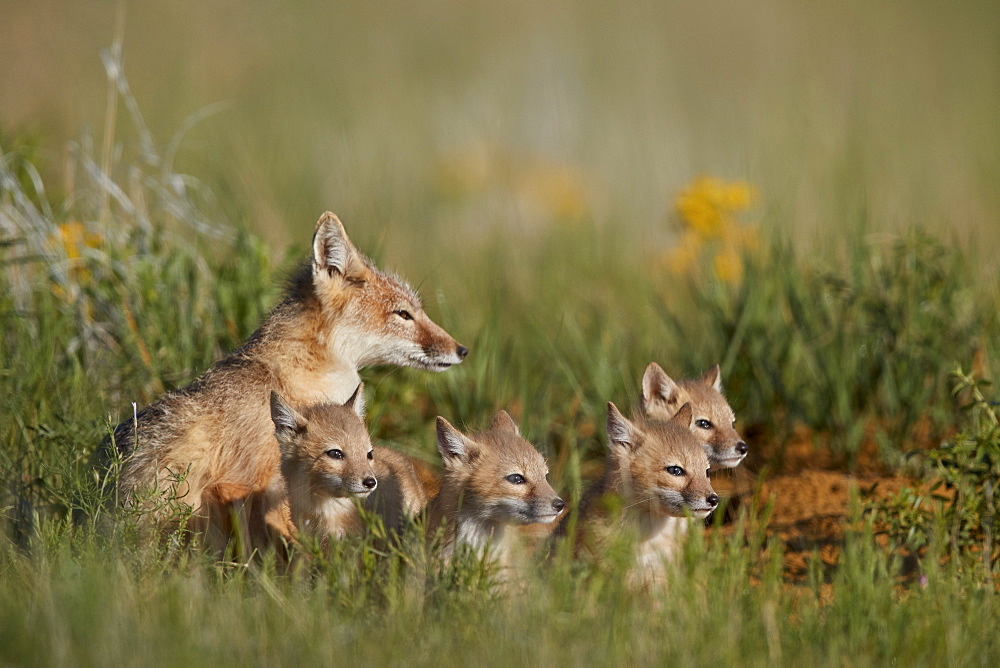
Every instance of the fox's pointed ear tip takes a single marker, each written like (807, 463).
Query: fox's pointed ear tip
(713, 377)
(330, 220)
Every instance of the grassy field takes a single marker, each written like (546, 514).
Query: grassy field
(538, 171)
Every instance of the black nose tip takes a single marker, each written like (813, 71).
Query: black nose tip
(369, 483)
(713, 500)
(462, 352)
(558, 504)
(742, 448)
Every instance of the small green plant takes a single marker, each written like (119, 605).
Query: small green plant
(959, 506)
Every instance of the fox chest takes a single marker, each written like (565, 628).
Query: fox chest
(334, 385)
(664, 544)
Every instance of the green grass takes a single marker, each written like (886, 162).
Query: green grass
(537, 239)
(725, 604)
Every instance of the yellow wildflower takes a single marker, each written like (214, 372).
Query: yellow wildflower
(709, 210)
(699, 214)
(708, 206)
(737, 196)
(73, 238)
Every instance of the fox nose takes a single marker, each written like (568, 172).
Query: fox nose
(742, 448)
(369, 482)
(558, 504)
(713, 500)
(462, 351)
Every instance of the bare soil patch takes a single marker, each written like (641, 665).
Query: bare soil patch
(809, 496)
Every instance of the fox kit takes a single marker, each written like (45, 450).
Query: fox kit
(713, 418)
(340, 313)
(490, 480)
(656, 475)
(327, 461)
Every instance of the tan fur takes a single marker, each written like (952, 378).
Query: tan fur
(327, 461)
(340, 314)
(713, 421)
(656, 475)
(491, 479)
(429, 478)
(401, 494)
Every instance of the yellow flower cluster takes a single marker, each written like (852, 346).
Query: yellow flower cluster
(709, 210)
(555, 190)
(73, 238)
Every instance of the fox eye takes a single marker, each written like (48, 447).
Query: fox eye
(703, 424)
(371, 454)
(515, 479)
(335, 453)
(404, 314)
(674, 470)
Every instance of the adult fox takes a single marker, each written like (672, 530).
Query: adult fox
(210, 446)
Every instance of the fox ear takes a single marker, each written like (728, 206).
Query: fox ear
(454, 446)
(502, 421)
(683, 416)
(621, 432)
(713, 378)
(357, 401)
(332, 250)
(287, 422)
(659, 392)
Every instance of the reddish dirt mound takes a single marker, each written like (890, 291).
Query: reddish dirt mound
(809, 498)
(810, 513)
(811, 494)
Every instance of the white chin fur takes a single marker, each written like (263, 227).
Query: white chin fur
(701, 513)
(728, 462)
(433, 363)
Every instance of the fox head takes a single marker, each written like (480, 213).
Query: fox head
(663, 466)
(501, 477)
(713, 421)
(377, 313)
(325, 450)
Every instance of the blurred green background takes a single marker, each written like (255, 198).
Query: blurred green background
(367, 108)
